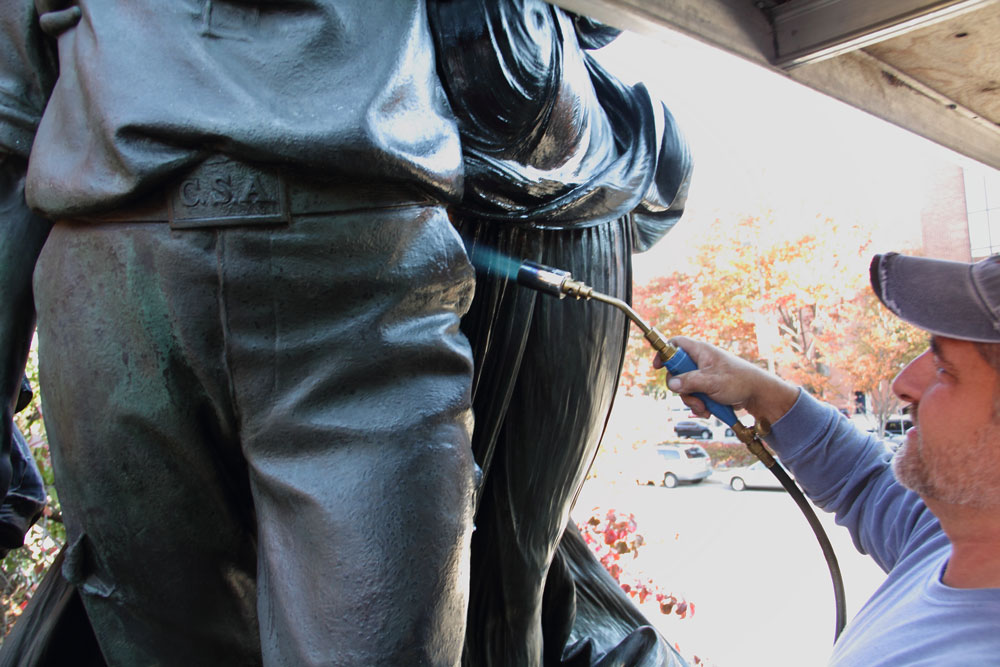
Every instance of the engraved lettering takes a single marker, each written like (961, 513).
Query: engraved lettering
(189, 193)
(222, 191)
(225, 193)
(256, 193)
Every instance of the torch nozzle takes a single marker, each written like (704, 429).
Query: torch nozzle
(560, 283)
(551, 281)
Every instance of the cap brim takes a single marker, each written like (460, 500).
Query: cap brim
(937, 295)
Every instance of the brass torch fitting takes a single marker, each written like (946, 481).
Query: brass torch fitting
(576, 289)
(748, 436)
(659, 343)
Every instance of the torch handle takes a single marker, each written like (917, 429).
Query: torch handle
(680, 363)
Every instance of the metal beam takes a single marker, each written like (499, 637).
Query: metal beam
(736, 26)
(871, 85)
(807, 31)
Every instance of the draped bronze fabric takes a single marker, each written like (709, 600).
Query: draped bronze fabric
(566, 166)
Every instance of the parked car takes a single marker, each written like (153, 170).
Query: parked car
(754, 476)
(683, 463)
(693, 428)
(896, 427)
(702, 429)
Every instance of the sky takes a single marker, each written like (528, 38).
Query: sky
(763, 142)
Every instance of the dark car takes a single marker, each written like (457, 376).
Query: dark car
(896, 427)
(693, 428)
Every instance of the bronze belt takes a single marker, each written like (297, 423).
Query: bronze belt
(221, 192)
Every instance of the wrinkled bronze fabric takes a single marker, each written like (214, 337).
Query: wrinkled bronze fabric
(254, 418)
(566, 166)
(122, 101)
(277, 446)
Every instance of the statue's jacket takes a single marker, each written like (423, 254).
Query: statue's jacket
(553, 140)
(111, 99)
(526, 127)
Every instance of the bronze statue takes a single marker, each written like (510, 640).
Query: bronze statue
(258, 397)
(567, 166)
(257, 393)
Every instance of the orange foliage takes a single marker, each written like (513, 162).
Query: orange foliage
(799, 303)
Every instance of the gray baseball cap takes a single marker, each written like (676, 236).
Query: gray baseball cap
(953, 299)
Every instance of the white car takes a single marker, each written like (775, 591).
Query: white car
(754, 476)
(683, 463)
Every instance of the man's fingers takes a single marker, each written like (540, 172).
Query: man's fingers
(696, 405)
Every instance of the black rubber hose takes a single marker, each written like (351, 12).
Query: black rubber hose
(824, 543)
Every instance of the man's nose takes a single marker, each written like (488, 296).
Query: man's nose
(909, 385)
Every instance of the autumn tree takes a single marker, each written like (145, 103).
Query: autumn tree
(784, 300)
(875, 346)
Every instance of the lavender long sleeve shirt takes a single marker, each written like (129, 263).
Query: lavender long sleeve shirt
(913, 618)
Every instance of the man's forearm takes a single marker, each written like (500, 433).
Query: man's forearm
(772, 399)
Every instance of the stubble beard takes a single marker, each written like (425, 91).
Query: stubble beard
(963, 479)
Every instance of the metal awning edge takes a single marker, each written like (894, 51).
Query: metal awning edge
(855, 78)
(811, 30)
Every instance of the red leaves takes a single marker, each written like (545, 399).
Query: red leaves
(615, 535)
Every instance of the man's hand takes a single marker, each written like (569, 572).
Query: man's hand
(731, 381)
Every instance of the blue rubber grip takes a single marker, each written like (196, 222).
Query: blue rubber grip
(681, 363)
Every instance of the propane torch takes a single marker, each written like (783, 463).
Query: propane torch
(561, 284)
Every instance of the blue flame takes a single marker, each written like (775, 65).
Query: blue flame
(494, 263)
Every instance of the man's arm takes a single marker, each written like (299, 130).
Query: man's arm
(22, 235)
(842, 469)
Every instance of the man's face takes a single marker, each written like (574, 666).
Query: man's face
(950, 454)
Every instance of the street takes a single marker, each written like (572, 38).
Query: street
(747, 560)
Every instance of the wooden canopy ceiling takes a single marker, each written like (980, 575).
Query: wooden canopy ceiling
(932, 67)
